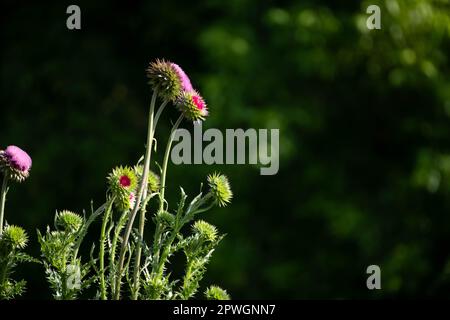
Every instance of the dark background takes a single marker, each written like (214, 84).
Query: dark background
(363, 118)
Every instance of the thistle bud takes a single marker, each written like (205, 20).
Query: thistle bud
(122, 180)
(205, 230)
(153, 178)
(122, 183)
(216, 293)
(192, 105)
(220, 189)
(15, 163)
(14, 237)
(168, 79)
(68, 221)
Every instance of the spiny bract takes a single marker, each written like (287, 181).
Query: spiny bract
(14, 236)
(216, 293)
(68, 221)
(220, 189)
(205, 230)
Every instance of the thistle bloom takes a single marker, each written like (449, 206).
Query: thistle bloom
(122, 179)
(220, 189)
(185, 81)
(168, 79)
(15, 163)
(192, 105)
(122, 183)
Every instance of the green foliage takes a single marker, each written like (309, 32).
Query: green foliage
(12, 241)
(216, 293)
(197, 248)
(66, 274)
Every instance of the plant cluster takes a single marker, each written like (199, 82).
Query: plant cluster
(122, 264)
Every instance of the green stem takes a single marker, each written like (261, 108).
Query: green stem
(187, 278)
(166, 161)
(176, 229)
(102, 250)
(157, 239)
(137, 260)
(112, 253)
(142, 185)
(2, 201)
(84, 230)
(4, 267)
(158, 113)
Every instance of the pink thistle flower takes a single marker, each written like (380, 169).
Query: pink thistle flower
(185, 81)
(132, 199)
(16, 163)
(192, 105)
(168, 79)
(125, 181)
(200, 104)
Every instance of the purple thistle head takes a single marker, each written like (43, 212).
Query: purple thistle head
(185, 81)
(15, 163)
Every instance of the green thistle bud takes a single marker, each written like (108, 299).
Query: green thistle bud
(216, 293)
(125, 201)
(14, 236)
(68, 221)
(153, 178)
(205, 230)
(220, 189)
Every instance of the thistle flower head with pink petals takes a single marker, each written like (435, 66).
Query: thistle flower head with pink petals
(122, 184)
(192, 105)
(15, 163)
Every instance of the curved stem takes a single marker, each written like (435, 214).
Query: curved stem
(102, 250)
(157, 238)
(166, 160)
(2, 201)
(158, 113)
(142, 185)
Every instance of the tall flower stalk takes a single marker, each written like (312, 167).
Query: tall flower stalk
(102, 249)
(142, 185)
(137, 259)
(3, 191)
(157, 236)
(15, 165)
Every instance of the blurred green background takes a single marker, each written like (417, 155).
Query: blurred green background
(364, 131)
